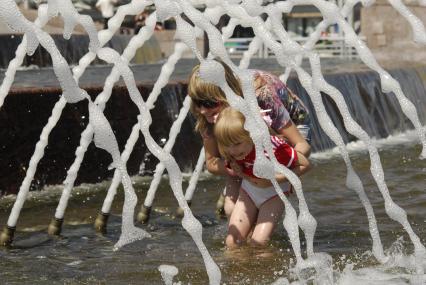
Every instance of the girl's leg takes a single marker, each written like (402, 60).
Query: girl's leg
(233, 185)
(270, 213)
(241, 221)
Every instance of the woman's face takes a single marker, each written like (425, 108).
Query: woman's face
(209, 109)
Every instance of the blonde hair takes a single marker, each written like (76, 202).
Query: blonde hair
(229, 130)
(201, 90)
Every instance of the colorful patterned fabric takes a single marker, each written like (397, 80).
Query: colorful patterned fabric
(273, 94)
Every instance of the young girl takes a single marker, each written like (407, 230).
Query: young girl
(258, 206)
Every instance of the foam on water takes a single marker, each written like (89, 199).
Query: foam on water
(406, 138)
(399, 269)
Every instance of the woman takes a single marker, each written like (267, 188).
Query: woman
(281, 108)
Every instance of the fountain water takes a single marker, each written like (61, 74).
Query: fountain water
(288, 54)
(168, 272)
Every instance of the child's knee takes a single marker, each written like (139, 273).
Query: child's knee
(234, 237)
(233, 241)
(259, 241)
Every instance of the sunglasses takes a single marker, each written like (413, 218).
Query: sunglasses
(208, 104)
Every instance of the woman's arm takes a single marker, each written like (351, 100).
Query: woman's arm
(267, 88)
(293, 136)
(302, 166)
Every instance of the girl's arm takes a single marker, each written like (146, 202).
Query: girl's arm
(214, 163)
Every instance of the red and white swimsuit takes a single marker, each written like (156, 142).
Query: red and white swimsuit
(285, 154)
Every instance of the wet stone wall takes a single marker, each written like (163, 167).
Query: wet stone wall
(25, 113)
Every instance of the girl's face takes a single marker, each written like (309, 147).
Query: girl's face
(209, 109)
(239, 150)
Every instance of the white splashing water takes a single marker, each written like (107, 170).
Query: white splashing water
(165, 74)
(167, 273)
(86, 136)
(353, 181)
(195, 175)
(192, 225)
(407, 138)
(56, 112)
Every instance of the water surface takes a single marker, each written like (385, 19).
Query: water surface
(82, 257)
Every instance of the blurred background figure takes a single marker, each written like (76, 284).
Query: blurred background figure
(107, 9)
(140, 21)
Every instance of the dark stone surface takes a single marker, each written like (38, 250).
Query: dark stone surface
(24, 115)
